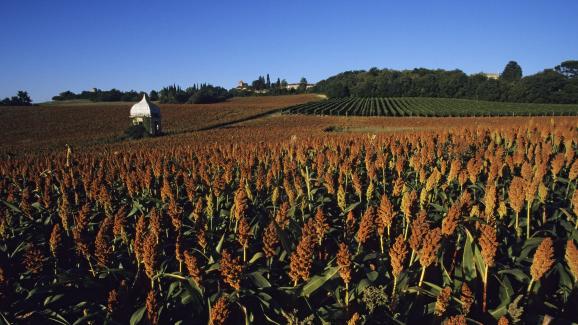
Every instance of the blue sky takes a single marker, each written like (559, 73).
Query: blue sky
(52, 46)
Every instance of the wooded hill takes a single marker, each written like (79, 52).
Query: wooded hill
(557, 85)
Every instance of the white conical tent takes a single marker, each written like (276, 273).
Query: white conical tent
(145, 108)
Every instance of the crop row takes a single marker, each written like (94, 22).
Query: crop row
(414, 106)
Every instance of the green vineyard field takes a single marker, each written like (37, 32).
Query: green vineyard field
(414, 106)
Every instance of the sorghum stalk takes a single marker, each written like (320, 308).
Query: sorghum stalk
(365, 228)
(321, 225)
(516, 194)
(301, 259)
(192, 267)
(384, 219)
(455, 256)
(485, 294)
(489, 244)
(422, 275)
(531, 189)
(220, 312)
(231, 269)
(344, 263)
(419, 230)
(571, 257)
(407, 202)
(270, 241)
(575, 208)
(542, 262)
(517, 228)
(529, 207)
(308, 183)
(443, 301)
(244, 235)
(431, 245)
(467, 298)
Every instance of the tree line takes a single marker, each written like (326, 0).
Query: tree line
(173, 94)
(203, 93)
(197, 94)
(557, 85)
(21, 99)
(98, 95)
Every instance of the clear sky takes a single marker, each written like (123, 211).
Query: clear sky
(47, 47)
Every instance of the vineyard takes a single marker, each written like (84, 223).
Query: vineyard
(414, 106)
(476, 225)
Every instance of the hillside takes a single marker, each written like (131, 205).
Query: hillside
(557, 85)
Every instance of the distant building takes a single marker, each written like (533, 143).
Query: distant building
(146, 114)
(296, 86)
(242, 85)
(491, 75)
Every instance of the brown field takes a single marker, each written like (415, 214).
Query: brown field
(248, 119)
(47, 127)
(282, 128)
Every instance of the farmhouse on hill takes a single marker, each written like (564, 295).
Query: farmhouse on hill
(147, 114)
(297, 85)
(242, 85)
(494, 76)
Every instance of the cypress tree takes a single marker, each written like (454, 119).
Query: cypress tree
(512, 72)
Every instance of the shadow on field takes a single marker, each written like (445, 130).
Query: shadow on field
(372, 129)
(245, 119)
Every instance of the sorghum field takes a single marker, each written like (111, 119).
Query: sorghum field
(416, 106)
(277, 221)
